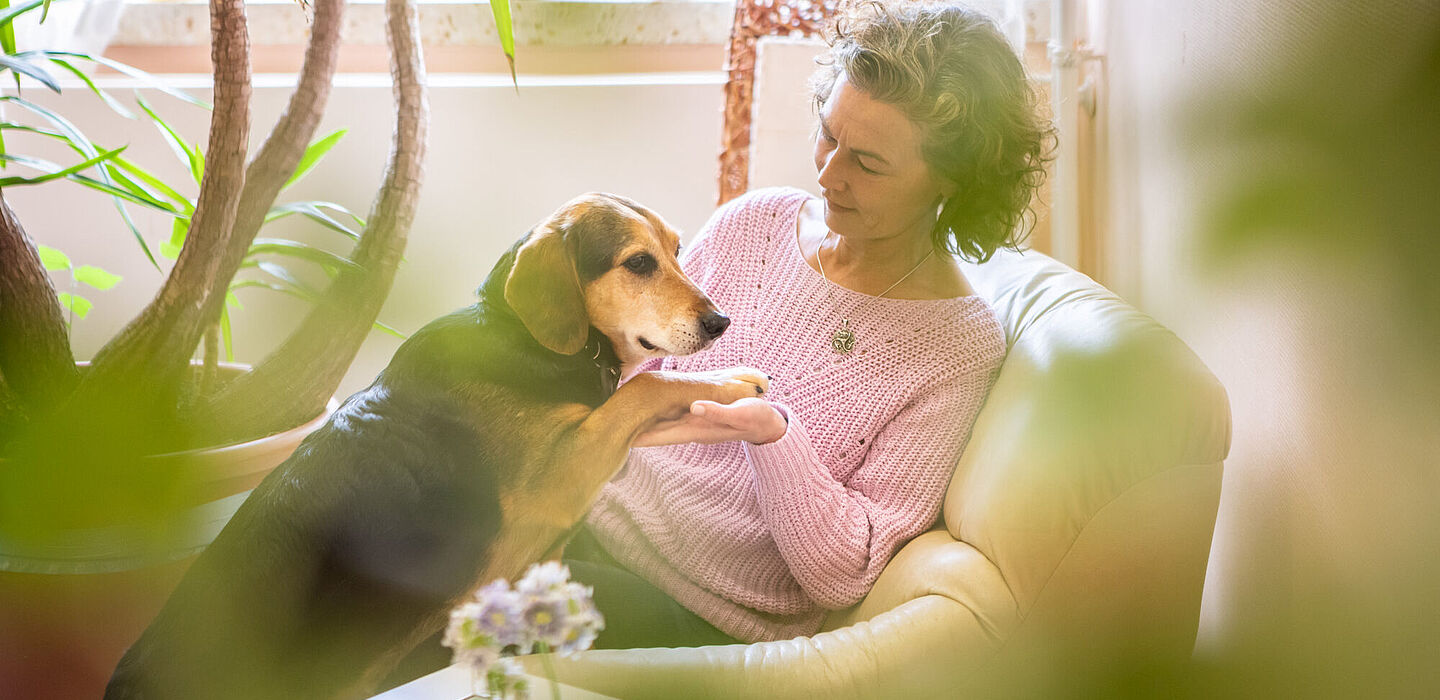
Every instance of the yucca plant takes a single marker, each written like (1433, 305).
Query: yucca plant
(72, 439)
(129, 183)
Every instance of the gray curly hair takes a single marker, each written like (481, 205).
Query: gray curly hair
(952, 73)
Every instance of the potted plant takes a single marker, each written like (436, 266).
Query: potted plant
(79, 442)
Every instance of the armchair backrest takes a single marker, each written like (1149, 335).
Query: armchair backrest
(1096, 459)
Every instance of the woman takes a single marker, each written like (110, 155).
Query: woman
(749, 521)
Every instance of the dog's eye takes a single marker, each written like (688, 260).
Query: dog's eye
(640, 263)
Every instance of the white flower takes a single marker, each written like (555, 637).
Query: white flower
(542, 578)
(472, 647)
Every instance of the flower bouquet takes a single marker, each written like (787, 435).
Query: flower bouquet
(545, 612)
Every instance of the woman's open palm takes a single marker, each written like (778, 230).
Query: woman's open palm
(751, 420)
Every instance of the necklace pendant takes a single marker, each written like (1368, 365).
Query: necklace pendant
(843, 340)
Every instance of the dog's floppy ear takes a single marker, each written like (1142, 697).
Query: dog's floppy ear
(544, 291)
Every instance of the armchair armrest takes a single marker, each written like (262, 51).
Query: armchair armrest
(938, 605)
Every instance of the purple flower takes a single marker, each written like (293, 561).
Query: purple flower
(546, 608)
(481, 628)
(549, 618)
(560, 612)
(501, 615)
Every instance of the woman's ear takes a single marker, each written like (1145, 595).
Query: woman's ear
(544, 291)
(948, 187)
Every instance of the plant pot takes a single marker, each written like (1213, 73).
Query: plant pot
(71, 606)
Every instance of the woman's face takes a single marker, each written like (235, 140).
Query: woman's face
(875, 182)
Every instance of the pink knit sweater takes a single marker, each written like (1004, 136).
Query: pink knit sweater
(761, 540)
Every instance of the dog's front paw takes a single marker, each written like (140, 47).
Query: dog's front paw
(737, 383)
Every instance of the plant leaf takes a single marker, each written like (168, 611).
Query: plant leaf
(72, 134)
(225, 334)
(20, 65)
(7, 19)
(92, 183)
(313, 154)
(171, 248)
(109, 169)
(387, 329)
(501, 10)
(52, 258)
(232, 300)
(146, 78)
(79, 141)
(105, 97)
(118, 175)
(96, 277)
(110, 189)
(278, 272)
(188, 156)
(56, 174)
(78, 305)
(301, 294)
(179, 231)
(185, 202)
(312, 211)
(276, 246)
(12, 126)
(7, 33)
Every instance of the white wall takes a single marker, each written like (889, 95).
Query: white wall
(498, 163)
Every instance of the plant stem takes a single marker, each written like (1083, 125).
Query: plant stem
(549, 663)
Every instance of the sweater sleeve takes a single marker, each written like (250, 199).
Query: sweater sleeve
(836, 537)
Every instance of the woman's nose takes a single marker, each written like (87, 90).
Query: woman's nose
(829, 177)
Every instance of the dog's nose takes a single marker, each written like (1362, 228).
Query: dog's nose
(714, 323)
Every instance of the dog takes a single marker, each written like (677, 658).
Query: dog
(476, 452)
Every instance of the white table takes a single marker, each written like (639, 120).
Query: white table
(453, 683)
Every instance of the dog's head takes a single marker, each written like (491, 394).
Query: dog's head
(607, 261)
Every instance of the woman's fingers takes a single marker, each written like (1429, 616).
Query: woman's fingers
(733, 414)
(690, 428)
(711, 422)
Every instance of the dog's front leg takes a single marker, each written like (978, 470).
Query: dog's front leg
(598, 444)
(587, 453)
(651, 397)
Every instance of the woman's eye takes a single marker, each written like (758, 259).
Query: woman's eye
(867, 170)
(640, 263)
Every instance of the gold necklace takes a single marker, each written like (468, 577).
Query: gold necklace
(843, 339)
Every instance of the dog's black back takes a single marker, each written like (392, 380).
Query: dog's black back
(374, 527)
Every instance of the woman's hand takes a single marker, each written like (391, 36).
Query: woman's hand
(752, 420)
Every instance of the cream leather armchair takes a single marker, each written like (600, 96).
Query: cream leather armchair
(1074, 539)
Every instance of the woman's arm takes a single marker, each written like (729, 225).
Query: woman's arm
(836, 537)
